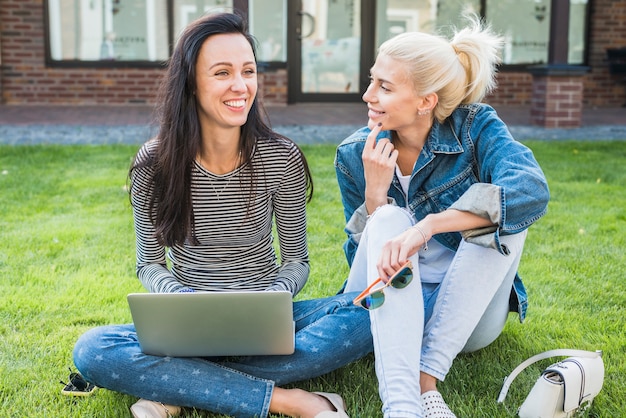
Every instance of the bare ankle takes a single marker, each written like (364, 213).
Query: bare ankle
(427, 382)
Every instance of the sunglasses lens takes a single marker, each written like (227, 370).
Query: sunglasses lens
(402, 279)
(373, 300)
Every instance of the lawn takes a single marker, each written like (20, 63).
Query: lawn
(67, 263)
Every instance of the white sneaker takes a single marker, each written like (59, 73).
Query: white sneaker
(435, 406)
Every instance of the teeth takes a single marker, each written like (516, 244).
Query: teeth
(235, 103)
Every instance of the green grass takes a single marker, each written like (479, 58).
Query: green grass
(67, 263)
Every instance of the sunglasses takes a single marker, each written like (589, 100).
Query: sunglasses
(374, 298)
(77, 386)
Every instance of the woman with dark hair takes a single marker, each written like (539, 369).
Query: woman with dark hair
(205, 193)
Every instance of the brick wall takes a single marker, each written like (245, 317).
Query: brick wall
(514, 89)
(25, 79)
(608, 30)
(273, 87)
(557, 101)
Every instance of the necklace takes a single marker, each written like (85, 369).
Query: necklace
(218, 193)
(217, 179)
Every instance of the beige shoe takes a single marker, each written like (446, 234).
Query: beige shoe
(144, 408)
(337, 402)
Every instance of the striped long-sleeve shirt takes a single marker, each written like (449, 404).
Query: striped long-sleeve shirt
(236, 250)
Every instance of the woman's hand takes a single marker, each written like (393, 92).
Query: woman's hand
(379, 163)
(397, 250)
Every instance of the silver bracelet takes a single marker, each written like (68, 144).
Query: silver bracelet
(421, 231)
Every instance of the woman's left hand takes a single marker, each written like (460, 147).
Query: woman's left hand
(397, 251)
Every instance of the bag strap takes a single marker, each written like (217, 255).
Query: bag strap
(546, 354)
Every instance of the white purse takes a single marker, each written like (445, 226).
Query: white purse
(563, 389)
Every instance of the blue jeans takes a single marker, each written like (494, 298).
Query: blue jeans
(457, 302)
(330, 333)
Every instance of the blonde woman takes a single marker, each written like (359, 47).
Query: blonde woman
(435, 179)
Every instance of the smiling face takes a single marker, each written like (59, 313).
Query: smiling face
(391, 97)
(226, 81)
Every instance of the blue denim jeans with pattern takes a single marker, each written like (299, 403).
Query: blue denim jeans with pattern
(330, 333)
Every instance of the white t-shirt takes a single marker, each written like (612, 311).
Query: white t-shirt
(434, 262)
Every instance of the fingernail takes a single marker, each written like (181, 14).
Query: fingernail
(380, 124)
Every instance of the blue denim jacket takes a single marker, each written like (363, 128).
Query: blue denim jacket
(470, 163)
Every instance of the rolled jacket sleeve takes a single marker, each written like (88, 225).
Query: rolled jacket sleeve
(356, 223)
(484, 200)
(511, 191)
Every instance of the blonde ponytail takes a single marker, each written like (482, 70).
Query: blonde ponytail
(459, 71)
(477, 47)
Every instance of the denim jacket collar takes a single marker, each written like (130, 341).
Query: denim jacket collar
(443, 139)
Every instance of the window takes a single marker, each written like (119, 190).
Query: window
(527, 35)
(577, 31)
(186, 11)
(107, 30)
(118, 32)
(268, 24)
(141, 32)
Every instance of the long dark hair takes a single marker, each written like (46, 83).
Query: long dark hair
(179, 137)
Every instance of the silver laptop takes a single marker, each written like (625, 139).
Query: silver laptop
(204, 324)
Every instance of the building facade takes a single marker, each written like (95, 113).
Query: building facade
(113, 52)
